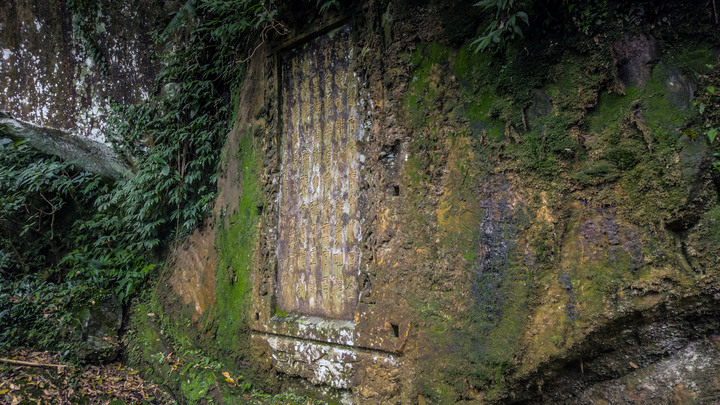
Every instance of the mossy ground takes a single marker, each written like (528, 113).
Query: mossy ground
(174, 362)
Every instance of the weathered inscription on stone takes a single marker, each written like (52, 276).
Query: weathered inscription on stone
(319, 228)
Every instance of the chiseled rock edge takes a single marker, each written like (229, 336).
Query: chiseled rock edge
(312, 328)
(94, 156)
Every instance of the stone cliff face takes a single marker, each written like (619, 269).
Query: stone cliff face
(64, 65)
(402, 220)
(533, 230)
(564, 249)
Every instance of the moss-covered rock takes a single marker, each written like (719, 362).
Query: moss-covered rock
(93, 335)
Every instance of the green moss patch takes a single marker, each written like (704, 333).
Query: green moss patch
(170, 362)
(236, 248)
(549, 148)
(197, 375)
(430, 62)
(700, 59)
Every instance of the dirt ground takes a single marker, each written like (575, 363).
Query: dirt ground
(47, 380)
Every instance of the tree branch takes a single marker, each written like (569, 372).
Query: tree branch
(31, 364)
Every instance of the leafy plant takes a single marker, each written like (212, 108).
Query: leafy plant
(701, 106)
(39, 195)
(711, 131)
(505, 26)
(587, 15)
(83, 13)
(325, 5)
(62, 228)
(711, 134)
(709, 110)
(34, 312)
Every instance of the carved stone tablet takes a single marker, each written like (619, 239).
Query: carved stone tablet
(319, 227)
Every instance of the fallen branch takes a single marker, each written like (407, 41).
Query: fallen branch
(30, 363)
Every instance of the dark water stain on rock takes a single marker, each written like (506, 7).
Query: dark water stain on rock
(497, 242)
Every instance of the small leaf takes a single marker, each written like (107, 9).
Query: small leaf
(711, 134)
(485, 3)
(690, 133)
(523, 16)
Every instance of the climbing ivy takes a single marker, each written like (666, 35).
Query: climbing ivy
(174, 139)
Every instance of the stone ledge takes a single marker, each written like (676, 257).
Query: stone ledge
(93, 156)
(310, 328)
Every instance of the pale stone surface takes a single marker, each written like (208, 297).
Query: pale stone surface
(319, 226)
(94, 156)
(49, 79)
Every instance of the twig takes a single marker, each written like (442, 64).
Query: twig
(715, 12)
(274, 25)
(30, 363)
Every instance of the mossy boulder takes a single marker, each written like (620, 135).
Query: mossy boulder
(95, 325)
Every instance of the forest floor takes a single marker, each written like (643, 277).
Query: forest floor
(47, 380)
(33, 377)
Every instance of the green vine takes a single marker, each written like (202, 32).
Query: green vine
(83, 14)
